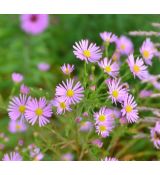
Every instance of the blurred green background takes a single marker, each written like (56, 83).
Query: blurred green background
(21, 52)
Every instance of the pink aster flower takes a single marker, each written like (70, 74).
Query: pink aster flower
(43, 67)
(124, 45)
(104, 128)
(116, 91)
(34, 23)
(24, 89)
(17, 107)
(145, 93)
(69, 92)
(147, 51)
(87, 52)
(116, 56)
(67, 69)
(108, 37)
(13, 156)
(67, 157)
(110, 159)
(155, 135)
(38, 110)
(103, 115)
(17, 126)
(86, 126)
(137, 67)
(110, 68)
(97, 142)
(61, 105)
(129, 109)
(17, 78)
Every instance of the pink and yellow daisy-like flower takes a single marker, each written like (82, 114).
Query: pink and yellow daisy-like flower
(129, 109)
(67, 69)
(103, 115)
(110, 68)
(17, 107)
(87, 52)
(61, 105)
(38, 110)
(124, 45)
(147, 51)
(105, 128)
(17, 126)
(13, 156)
(155, 135)
(108, 37)
(69, 92)
(137, 67)
(116, 91)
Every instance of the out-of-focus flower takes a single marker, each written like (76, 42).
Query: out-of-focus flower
(147, 51)
(85, 114)
(34, 23)
(78, 119)
(67, 157)
(108, 37)
(116, 91)
(98, 143)
(38, 110)
(61, 105)
(110, 159)
(155, 135)
(21, 142)
(67, 69)
(24, 89)
(124, 45)
(17, 126)
(17, 78)
(44, 67)
(93, 88)
(137, 67)
(69, 92)
(110, 68)
(86, 126)
(35, 152)
(129, 109)
(116, 56)
(145, 93)
(2, 146)
(17, 107)
(13, 156)
(87, 52)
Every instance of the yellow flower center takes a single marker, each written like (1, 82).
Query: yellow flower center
(67, 71)
(87, 53)
(129, 108)
(145, 54)
(70, 93)
(115, 93)
(123, 46)
(136, 68)
(22, 109)
(108, 69)
(102, 128)
(39, 111)
(102, 118)
(63, 105)
(18, 127)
